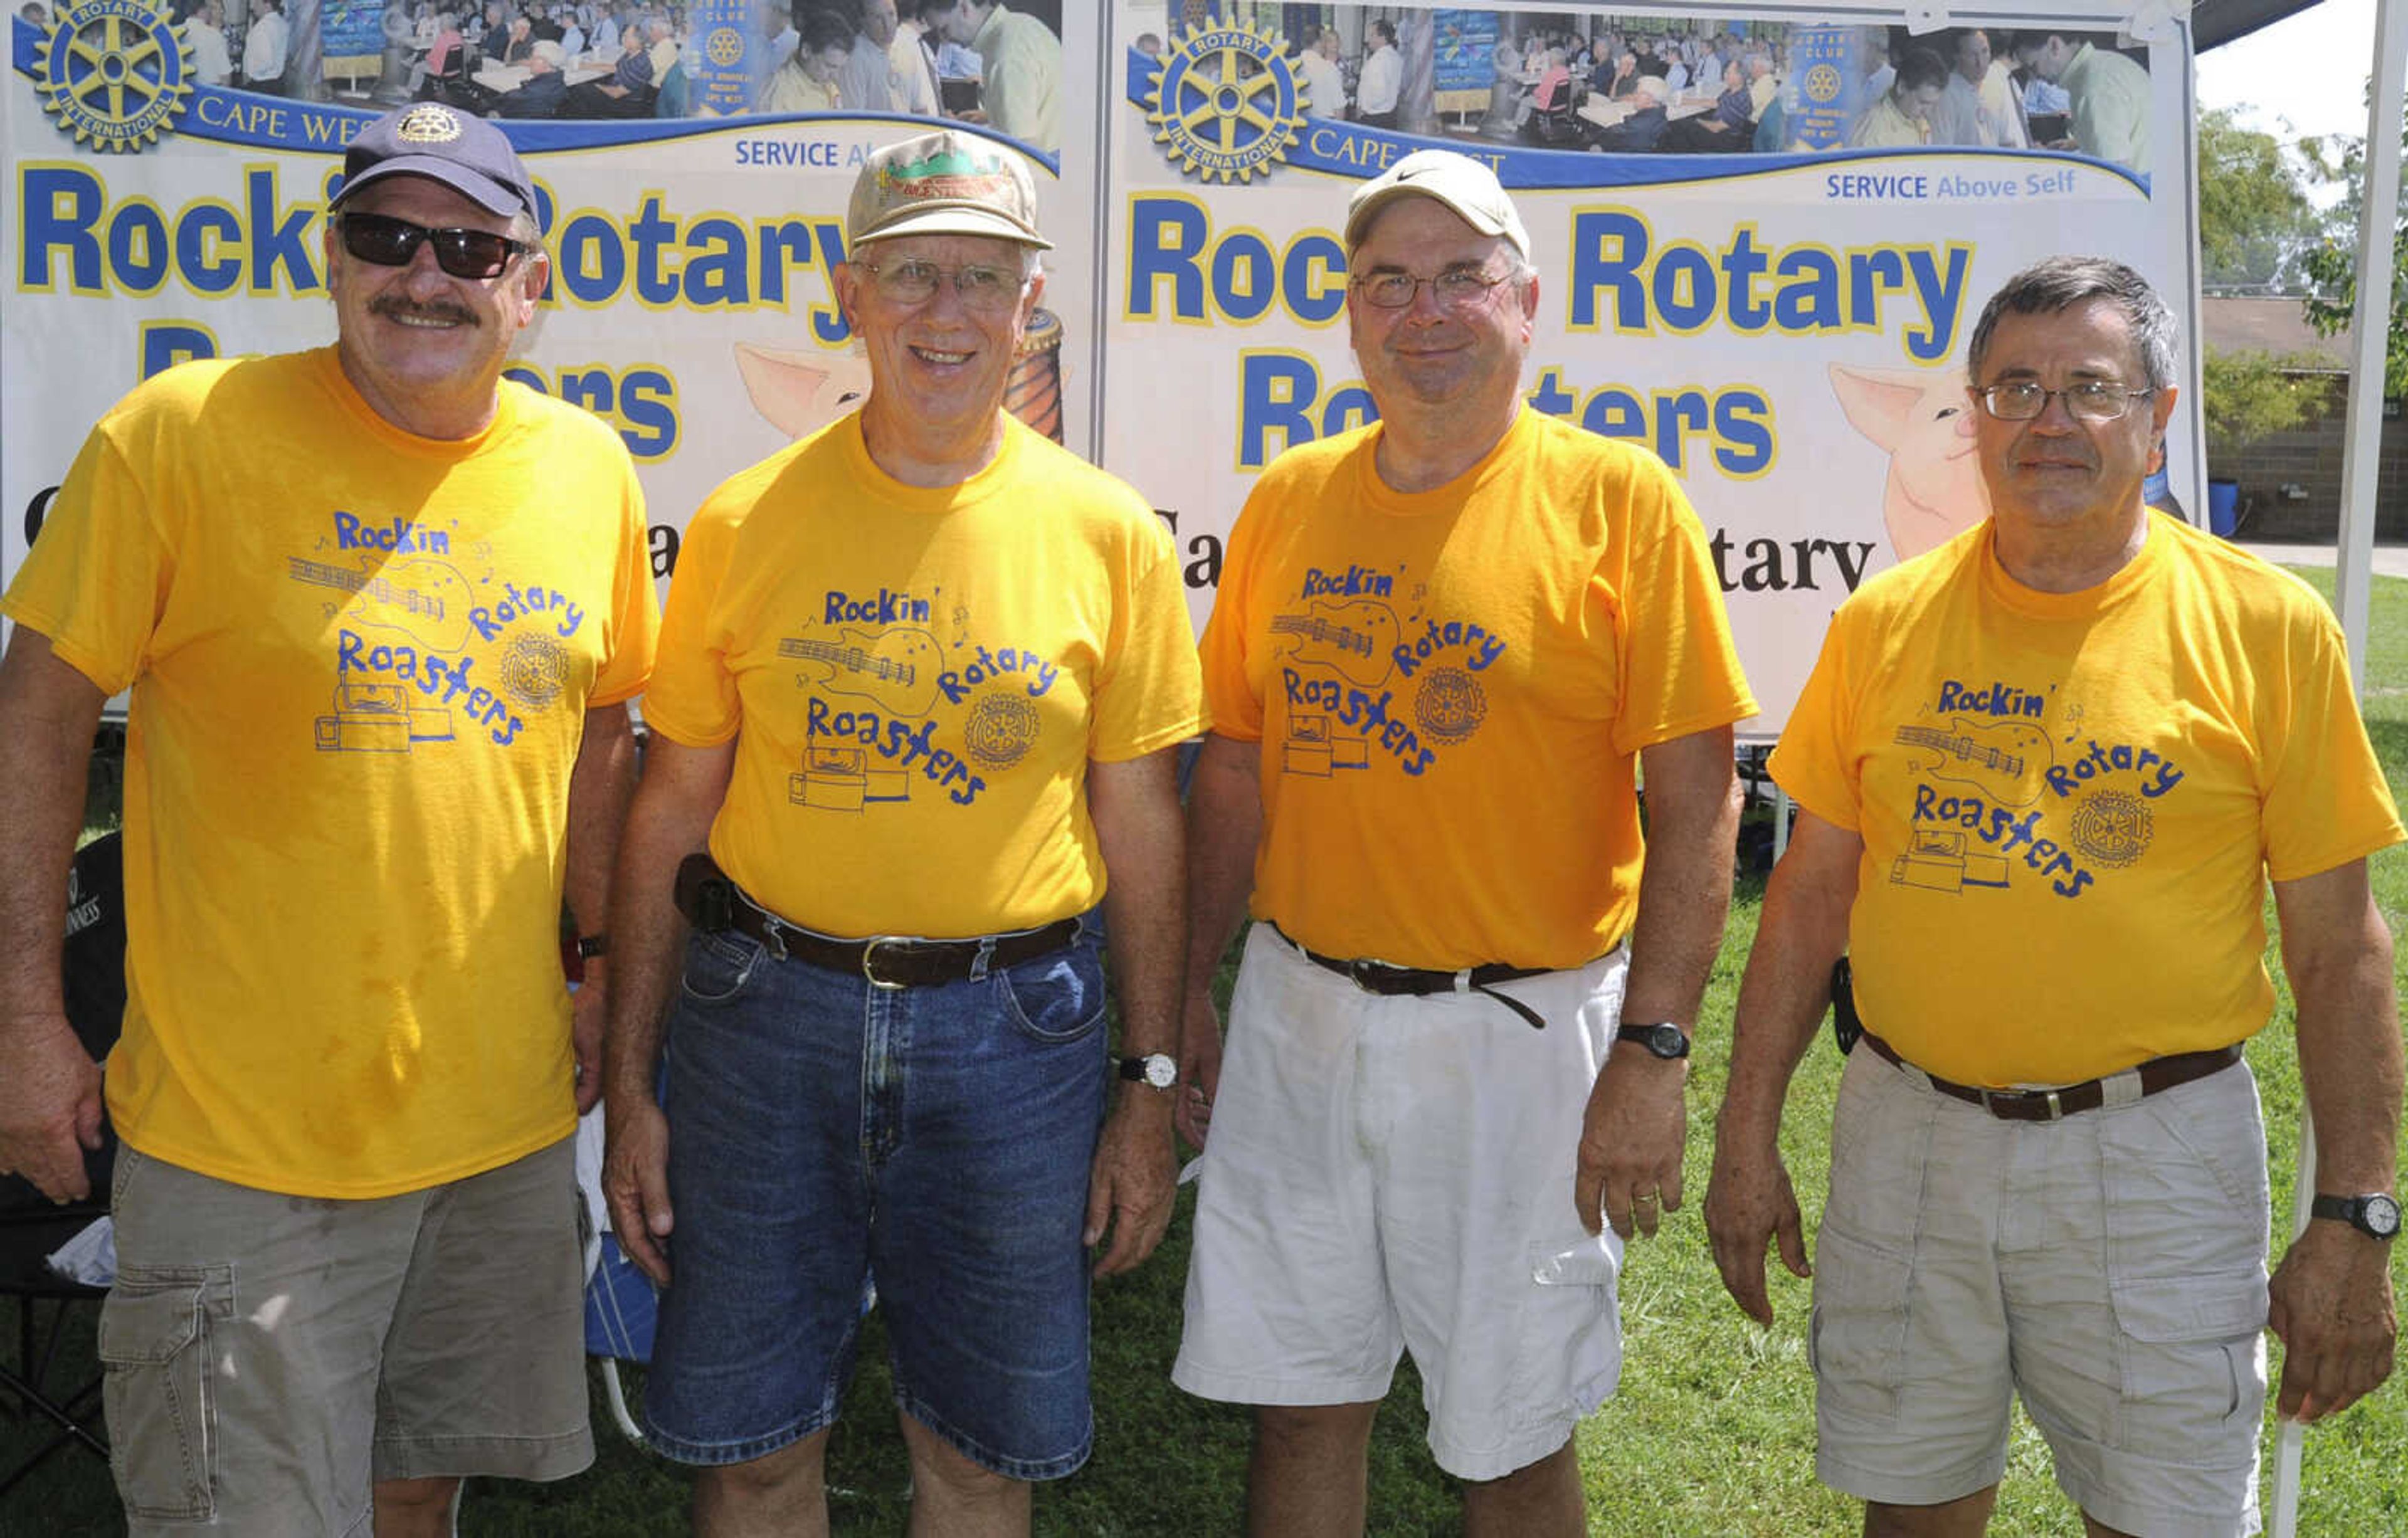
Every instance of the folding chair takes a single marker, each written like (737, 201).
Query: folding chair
(31, 1228)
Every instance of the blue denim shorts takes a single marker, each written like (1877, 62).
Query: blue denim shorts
(824, 1134)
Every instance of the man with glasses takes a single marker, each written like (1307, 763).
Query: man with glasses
(378, 610)
(922, 676)
(1443, 644)
(2044, 772)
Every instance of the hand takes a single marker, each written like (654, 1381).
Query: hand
(587, 1008)
(50, 1105)
(1630, 1142)
(635, 1181)
(1132, 1185)
(2330, 1303)
(1199, 1070)
(1749, 1201)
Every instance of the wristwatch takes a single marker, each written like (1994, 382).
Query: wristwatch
(1157, 1070)
(2378, 1215)
(1664, 1040)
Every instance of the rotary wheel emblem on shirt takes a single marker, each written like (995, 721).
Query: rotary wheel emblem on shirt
(114, 71)
(1224, 104)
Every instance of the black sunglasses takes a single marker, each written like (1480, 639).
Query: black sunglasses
(390, 242)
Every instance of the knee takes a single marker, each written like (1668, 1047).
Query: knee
(790, 1474)
(1314, 1429)
(934, 1462)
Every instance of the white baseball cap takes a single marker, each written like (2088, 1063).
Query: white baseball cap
(1467, 188)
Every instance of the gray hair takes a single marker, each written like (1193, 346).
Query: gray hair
(2061, 282)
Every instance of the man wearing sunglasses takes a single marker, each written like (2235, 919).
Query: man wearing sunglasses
(2044, 775)
(1443, 643)
(379, 612)
(921, 679)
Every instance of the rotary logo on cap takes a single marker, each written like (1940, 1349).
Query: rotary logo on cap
(427, 123)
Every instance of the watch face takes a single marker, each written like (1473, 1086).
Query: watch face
(2381, 1216)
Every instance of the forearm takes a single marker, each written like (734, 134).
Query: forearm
(1787, 987)
(48, 712)
(599, 787)
(669, 818)
(2350, 1058)
(1225, 825)
(1135, 806)
(1685, 886)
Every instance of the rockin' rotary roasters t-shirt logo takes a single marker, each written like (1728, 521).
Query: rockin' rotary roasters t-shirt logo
(113, 72)
(1223, 101)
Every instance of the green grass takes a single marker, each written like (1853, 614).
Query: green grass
(1711, 1434)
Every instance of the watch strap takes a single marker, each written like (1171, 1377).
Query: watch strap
(591, 945)
(1655, 1036)
(2359, 1212)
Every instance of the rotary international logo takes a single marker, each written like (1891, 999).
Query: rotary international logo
(427, 123)
(724, 46)
(114, 71)
(1224, 104)
(1822, 84)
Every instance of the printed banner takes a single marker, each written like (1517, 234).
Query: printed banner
(1785, 328)
(151, 217)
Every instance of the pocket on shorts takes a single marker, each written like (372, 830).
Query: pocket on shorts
(1569, 1349)
(1054, 998)
(717, 966)
(2190, 1353)
(157, 1391)
(1857, 1340)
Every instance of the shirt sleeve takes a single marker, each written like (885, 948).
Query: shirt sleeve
(2324, 800)
(97, 580)
(1679, 669)
(1148, 692)
(1810, 761)
(692, 699)
(636, 612)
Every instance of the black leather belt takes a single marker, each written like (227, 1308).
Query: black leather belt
(1417, 982)
(2065, 1101)
(716, 905)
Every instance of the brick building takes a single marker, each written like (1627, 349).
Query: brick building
(2290, 482)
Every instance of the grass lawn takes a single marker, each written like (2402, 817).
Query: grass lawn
(1713, 1433)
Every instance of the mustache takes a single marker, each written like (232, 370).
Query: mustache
(398, 307)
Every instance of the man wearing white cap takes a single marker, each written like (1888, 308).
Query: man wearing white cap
(923, 673)
(1442, 645)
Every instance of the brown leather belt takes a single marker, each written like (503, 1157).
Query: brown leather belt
(2065, 1100)
(714, 903)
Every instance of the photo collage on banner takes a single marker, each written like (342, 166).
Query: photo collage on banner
(1762, 245)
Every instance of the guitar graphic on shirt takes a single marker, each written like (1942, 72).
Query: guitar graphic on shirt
(2005, 759)
(896, 668)
(424, 599)
(1357, 638)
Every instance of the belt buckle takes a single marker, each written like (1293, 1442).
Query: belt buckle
(773, 936)
(1362, 969)
(2047, 1098)
(870, 961)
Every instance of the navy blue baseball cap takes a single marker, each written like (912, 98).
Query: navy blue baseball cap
(429, 139)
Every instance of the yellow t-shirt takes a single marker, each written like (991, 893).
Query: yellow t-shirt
(916, 679)
(2069, 800)
(360, 663)
(1449, 688)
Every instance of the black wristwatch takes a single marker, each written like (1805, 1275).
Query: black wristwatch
(1158, 1070)
(591, 945)
(2378, 1215)
(1664, 1040)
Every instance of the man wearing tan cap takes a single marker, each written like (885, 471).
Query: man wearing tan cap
(923, 672)
(1442, 645)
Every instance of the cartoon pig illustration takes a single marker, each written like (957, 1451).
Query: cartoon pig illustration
(1925, 421)
(800, 392)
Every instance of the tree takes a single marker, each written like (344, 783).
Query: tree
(2332, 263)
(2248, 395)
(2256, 220)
